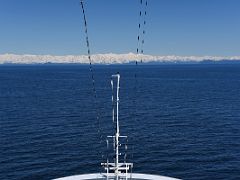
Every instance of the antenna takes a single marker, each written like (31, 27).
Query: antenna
(117, 133)
(120, 170)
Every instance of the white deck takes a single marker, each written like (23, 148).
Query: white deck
(130, 176)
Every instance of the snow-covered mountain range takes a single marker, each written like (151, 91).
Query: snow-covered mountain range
(109, 58)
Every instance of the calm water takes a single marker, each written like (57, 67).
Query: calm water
(185, 122)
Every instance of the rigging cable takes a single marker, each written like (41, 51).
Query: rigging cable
(141, 29)
(139, 51)
(92, 75)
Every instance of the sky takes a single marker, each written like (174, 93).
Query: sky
(174, 27)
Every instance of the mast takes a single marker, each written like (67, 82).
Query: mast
(119, 169)
(117, 134)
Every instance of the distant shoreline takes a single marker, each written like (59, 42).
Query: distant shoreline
(112, 58)
(130, 63)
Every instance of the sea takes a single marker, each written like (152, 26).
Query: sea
(182, 120)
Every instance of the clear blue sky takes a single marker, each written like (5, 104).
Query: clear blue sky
(179, 27)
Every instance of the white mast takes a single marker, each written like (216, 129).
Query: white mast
(117, 125)
(120, 169)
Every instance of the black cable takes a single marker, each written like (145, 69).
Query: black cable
(140, 52)
(92, 76)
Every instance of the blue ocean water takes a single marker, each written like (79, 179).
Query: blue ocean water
(185, 122)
